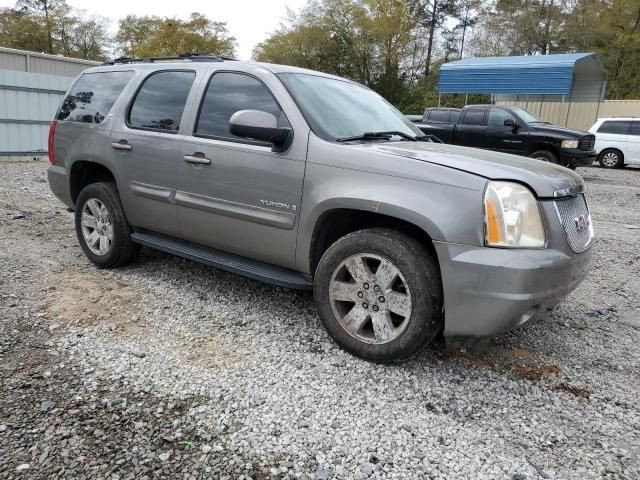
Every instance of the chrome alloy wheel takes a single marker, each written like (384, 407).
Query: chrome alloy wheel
(610, 159)
(370, 298)
(96, 226)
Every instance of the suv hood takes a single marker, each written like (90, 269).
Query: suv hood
(556, 130)
(544, 178)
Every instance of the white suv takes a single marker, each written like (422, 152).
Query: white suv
(617, 141)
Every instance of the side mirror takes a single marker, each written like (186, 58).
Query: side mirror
(509, 122)
(261, 125)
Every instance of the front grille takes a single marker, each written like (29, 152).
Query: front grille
(587, 142)
(576, 222)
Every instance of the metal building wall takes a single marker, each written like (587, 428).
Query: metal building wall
(580, 115)
(33, 62)
(28, 102)
(31, 88)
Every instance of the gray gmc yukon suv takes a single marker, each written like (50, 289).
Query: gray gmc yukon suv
(307, 180)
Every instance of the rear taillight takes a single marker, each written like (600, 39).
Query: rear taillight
(52, 134)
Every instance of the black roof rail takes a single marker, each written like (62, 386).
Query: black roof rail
(194, 57)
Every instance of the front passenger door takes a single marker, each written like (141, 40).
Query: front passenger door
(501, 137)
(236, 194)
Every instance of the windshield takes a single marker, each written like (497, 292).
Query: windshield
(525, 116)
(339, 109)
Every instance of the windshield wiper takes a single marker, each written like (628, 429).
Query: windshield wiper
(378, 136)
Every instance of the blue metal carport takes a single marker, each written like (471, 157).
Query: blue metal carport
(576, 76)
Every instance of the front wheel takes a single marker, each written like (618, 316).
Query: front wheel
(545, 156)
(378, 293)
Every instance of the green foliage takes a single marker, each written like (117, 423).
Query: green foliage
(51, 26)
(151, 36)
(393, 46)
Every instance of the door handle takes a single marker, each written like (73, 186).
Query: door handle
(197, 158)
(121, 145)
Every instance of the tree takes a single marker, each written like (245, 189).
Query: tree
(19, 29)
(47, 8)
(151, 36)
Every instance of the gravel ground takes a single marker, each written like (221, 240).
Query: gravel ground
(169, 369)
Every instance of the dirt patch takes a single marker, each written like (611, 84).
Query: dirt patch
(580, 392)
(83, 299)
(520, 353)
(536, 372)
(209, 352)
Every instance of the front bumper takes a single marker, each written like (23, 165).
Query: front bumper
(488, 291)
(576, 157)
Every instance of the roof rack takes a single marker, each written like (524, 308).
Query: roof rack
(194, 57)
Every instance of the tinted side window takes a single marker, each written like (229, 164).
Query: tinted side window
(474, 117)
(228, 93)
(160, 101)
(497, 117)
(635, 127)
(455, 115)
(615, 126)
(92, 96)
(439, 116)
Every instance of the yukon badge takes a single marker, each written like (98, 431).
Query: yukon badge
(271, 203)
(582, 222)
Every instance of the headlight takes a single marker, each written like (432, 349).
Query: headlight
(569, 144)
(512, 217)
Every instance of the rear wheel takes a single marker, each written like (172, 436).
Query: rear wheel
(102, 228)
(611, 158)
(378, 293)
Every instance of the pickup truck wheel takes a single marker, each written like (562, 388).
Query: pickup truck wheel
(379, 295)
(611, 158)
(545, 156)
(102, 228)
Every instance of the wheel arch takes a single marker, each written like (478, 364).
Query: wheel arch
(85, 172)
(546, 146)
(334, 223)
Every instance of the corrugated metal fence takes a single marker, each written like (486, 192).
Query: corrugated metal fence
(581, 115)
(28, 102)
(31, 87)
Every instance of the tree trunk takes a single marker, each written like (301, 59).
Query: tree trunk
(432, 31)
(48, 22)
(464, 28)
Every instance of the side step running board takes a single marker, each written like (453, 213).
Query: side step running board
(224, 261)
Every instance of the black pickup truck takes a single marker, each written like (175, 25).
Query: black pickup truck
(510, 130)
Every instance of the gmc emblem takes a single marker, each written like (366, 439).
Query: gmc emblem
(582, 222)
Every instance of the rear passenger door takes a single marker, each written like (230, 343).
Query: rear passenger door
(236, 194)
(634, 143)
(145, 143)
(471, 128)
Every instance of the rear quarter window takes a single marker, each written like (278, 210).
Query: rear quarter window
(92, 96)
(620, 127)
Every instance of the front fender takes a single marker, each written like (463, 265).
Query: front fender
(443, 202)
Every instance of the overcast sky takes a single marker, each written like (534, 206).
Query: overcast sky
(250, 21)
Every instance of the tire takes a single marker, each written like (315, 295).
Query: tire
(100, 201)
(545, 156)
(611, 158)
(409, 309)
